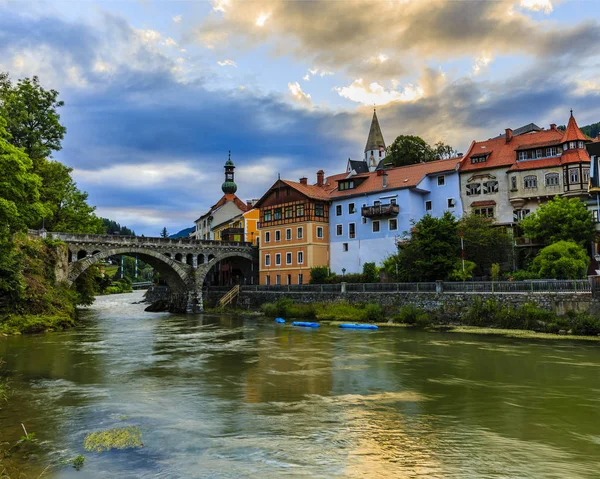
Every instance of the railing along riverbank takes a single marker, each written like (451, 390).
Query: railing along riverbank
(525, 287)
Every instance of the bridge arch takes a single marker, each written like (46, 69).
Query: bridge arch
(204, 269)
(177, 276)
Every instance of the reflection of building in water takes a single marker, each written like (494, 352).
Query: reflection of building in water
(294, 364)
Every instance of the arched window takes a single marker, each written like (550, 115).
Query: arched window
(552, 179)
(530, 181)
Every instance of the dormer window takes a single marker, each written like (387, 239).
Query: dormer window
(572, 145)
(480, 158)
(346, 185)
(538, 153)
(522, 155)
(580, 144)
(565, 147)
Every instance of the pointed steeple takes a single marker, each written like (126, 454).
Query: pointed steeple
(573, 133)
(375, 140)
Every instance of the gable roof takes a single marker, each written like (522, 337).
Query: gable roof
(399, 177)
(359, 166)
(375, 139)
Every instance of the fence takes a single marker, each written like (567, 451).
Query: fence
(542, 286)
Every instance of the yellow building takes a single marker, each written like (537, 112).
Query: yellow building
(294, 231)
(242, 227)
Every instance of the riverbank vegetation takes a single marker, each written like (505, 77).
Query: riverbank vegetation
(488, 314)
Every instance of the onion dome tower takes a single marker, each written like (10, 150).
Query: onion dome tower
(229, 186)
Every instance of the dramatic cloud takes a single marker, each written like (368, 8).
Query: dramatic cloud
(375, 94)
(299, 95)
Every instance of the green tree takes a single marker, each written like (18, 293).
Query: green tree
(460, 274)
(561, 260)
(409, 150)
(370, 273)
(443, 152)
(32, 114)
(485, 243)
(432, 250)
(164, 233)
(319, 274)
(560, 219)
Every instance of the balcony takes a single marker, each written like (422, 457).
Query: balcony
(380, 210)
(232, 234)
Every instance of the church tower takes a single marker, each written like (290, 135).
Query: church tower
(375, 147)
(229, 186)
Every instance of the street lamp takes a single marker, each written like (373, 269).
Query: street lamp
(343, 272)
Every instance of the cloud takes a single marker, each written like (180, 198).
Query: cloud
(537, 5)
(169, 42)
(480, 63)
(375, 94)
(261, 19)
(177, 18)
(298, 95)
(227, 63)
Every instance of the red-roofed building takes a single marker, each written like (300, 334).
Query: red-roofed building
(518, 172)
(294, 230)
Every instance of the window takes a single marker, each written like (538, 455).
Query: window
(441, 180)
(522, 155)
(552, 151)
(288, 234)
(580, 144)
(344, 247)
(288, 258)
(277, 279)
(376, 226)
(586, 175)
(518, 215)
(289, 279)
(278, 259)
(320, 232)
(488, 212)
(538, 153)
(277, 214)
(451, 203)
(338, 210)
(300, 257)
(478, 159)
(346, 185)
(572, 144)
(393, 224)
(351, 209)
(319, 210)
(565, 146)
(530, 181)
(267, 260)
(338, 230)
(299, 210)
(300, 233)
(351, 230)
(473, 189)
(573, 176)
(267, 215)
(267, 280)
(490, 187)
(289, 211)
(393, 201)
(552, 179)
(428, 205)
(277, 235)
(267, 237)
(513, 183)
(300, 278)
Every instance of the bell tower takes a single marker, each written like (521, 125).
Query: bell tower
(229, 186)
(375, 147)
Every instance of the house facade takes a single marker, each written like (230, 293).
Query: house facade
(293, 230)
(371, 212)
(510, 176)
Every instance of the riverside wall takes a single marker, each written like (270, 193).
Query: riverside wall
(452, 305)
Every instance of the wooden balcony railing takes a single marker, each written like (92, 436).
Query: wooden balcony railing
(381, 210)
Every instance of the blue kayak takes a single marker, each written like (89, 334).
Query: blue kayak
(358, 326)
(279, 320)
(305, 324)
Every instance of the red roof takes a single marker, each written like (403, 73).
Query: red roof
(502, 153)
(312, 191)
(573, 133)
(535, 164)
(230, 197)
(399, 177)
(578, 155)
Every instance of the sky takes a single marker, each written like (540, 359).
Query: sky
(157, 92)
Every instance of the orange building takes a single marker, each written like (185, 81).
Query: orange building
(294, 230)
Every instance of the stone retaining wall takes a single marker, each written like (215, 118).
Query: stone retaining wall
(452, 304)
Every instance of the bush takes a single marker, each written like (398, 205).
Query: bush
(561, 260)
(370, 273)
(319, 274)
(410, 314)
(372, 312)
(458, 274)
(585, 324)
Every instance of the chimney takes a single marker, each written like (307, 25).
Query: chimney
(384, 180)
(553, 126)
(304, 180)
(249, 203)
(320, 178)
(508, 135)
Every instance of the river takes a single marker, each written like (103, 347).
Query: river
(217, 397)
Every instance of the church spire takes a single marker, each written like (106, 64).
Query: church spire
(375, 141)
(229, 186)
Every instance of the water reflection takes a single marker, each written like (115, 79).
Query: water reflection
(221, 397)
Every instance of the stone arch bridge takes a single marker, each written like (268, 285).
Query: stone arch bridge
(183, 262)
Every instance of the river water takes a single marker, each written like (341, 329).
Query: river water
(217, 397)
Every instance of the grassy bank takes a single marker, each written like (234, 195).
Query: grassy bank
(485, 317)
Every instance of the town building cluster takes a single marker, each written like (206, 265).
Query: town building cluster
(348, 219)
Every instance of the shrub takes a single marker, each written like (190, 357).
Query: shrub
(410, 314)
(319, 275)
(370, 273)
(372, 312)
(585, 324)
(561, 260)
(458, 274)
